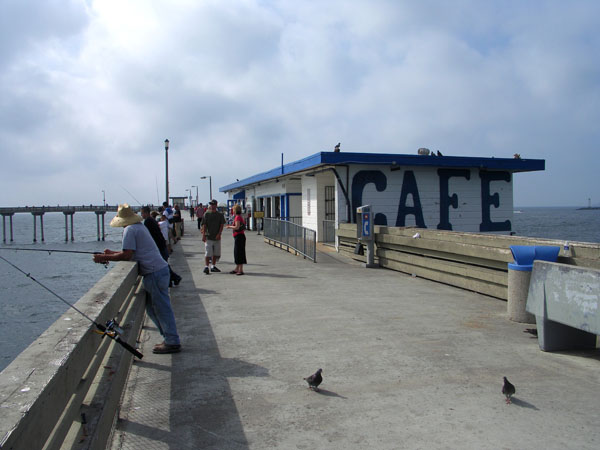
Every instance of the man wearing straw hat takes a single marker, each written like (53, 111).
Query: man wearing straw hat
(139, 246)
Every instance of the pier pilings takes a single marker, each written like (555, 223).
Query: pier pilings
(39, 214)
(4, 216)
(68, 211)
(98, 214)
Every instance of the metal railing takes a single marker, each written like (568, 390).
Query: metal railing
(294, 219)
(329, 231)
(302, 240)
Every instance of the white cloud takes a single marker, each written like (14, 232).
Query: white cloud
(90, 90)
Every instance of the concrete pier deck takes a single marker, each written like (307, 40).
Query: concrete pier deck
(407, 363)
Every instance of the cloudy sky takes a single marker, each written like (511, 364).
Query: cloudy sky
(90, 89)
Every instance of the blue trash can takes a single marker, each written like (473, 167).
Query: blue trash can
(519, 275)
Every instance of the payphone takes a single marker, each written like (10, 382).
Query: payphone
(365, 232)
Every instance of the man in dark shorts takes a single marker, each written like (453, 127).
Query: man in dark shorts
(212, 227)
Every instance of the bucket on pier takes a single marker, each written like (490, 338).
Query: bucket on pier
(519, 275)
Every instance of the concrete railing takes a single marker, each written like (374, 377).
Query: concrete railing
(472, 261)
(565, 301)
(63, 391)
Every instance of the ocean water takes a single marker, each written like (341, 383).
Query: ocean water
(565, 224)
(26, 309)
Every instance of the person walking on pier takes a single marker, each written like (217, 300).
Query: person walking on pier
(177, 222)
(157, 234)
(212, 227)
(200, 210)
(139, 246)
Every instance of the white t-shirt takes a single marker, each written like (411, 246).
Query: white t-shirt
(164, 228)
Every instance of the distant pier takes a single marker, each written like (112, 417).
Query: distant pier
(68, 211)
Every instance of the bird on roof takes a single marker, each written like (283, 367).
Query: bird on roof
(314, 380)
(337, 147)
(508, 389)
(439, 153)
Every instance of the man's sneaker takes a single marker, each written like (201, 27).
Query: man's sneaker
(215, 269)
(206, 271)
(166, 348)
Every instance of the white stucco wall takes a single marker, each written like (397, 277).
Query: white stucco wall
(309, 202)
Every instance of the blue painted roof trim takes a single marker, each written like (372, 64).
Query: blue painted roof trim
(333, 158)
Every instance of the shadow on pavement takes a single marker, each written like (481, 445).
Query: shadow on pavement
(523, 404)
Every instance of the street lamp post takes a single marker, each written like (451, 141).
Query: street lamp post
(209, 184)
(190, 196)
(167, 170)
(196, 195)
(103, 198)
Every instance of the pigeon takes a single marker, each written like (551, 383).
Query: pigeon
(314, 380)
(337, 147)
(508, 389)
(439, 153)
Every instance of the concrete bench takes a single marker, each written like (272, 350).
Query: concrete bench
(565, 300)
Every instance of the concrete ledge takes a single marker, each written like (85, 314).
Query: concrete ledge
(43, 389)
(473, 261)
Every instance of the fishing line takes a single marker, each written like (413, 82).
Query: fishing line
(138, 202)
(112, 329)
(28, 275)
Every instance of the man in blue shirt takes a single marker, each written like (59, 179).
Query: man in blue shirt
(139, 246)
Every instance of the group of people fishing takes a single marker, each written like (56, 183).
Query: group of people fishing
(147, 240)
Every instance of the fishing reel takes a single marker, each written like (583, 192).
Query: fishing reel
(113, 330)
(112, 326)
(105, 264)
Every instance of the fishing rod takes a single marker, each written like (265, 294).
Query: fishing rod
(111, 329)
(49, 250)
(138, 202)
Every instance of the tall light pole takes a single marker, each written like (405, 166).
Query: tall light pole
(103, 198)
(167, 170)
(209, 184)
(196, 195)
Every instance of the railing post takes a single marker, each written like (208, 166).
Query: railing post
(304, 242)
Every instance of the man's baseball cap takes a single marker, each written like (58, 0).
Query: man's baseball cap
(213, 202)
